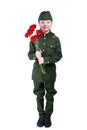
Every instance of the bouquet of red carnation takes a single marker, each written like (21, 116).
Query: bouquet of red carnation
(34, 39)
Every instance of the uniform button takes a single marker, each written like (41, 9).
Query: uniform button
(51, 46)
(44, 37)
(43, 50)
(44, 43)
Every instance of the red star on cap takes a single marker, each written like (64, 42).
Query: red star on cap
(44, 17)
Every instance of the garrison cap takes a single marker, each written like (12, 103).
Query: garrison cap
(45, 15)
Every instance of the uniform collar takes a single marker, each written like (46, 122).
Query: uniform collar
(48, 33)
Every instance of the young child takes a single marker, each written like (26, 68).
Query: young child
(50, 53)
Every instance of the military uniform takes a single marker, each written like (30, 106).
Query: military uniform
(50, 46)
(51, 51)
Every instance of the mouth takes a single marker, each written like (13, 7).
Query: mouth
(45, 27)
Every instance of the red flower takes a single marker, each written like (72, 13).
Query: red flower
(30, 30)
(38, 32)
(33, 38)
(32, 27)
(28, 33)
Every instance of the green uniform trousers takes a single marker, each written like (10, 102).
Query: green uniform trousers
(46, 89)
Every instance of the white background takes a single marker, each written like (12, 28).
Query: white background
(17, 102)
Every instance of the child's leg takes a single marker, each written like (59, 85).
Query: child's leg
(50, 92)
(39, 91)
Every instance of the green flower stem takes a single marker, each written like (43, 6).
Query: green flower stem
(42, 69)
(38, 49)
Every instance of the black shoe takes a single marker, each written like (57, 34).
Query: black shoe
(40, 122)
(47, 122)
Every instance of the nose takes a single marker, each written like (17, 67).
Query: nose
(45, 23)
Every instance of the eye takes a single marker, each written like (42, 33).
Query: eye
(48, 22)
(42, 22)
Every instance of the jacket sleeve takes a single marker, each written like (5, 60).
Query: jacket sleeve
(56, 56)
(31, 53)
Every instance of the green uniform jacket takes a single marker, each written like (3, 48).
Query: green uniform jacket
(50, 46)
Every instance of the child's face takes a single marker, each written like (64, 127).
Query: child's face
(45, 25)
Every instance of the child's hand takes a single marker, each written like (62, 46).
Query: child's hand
(38, 54)
(41, 60)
